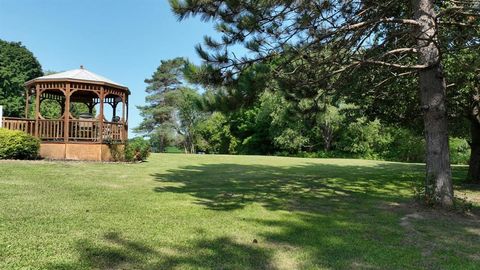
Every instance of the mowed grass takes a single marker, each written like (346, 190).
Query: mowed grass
(228, 212)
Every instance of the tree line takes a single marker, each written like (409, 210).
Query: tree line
(257, 117)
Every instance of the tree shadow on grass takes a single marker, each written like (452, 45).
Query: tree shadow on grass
(338, 217)
(231, 186)
(116, 252)
(342, 216)
(110, 252)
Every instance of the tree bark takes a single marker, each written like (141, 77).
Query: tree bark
(328, 145)
(327, 138)
(438, 182)
(474, 163)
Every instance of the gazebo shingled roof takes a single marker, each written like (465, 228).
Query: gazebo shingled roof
(79, 75)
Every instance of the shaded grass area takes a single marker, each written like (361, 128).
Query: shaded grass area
(228, 212)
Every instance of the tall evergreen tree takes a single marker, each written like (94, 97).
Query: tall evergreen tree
(158, 114)
(172, 108)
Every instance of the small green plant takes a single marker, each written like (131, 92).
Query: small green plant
(462, 204)
(16, 144)
(424, 193)
(137, 149)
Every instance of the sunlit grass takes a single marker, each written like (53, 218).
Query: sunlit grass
(227, 212)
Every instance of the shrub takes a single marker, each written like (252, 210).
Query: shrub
(363, 138)
(406, 146)
(459, 151)
(137, 149)
(16, 144)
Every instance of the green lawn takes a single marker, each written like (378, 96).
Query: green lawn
(227, 212)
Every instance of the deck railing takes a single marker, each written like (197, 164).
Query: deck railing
(114, 131)
(84, 130)
(22, 124)
(50, 130)
(78, 131)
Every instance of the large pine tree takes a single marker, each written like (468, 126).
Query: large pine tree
(171, 108)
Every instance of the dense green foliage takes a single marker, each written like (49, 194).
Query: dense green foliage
(261, 132)
(18, 145)
(137, 149)
(270, 121)
(204, 212)
(459, 151)
(17, 65)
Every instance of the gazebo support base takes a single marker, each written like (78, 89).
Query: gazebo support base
(82, 151)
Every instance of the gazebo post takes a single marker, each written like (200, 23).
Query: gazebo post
(66, 114)
(123, 108)
(126, 120)
(90, 107)
(37, 108)
(123, 117)
(27, 101)
(102, 97)
(114, 108)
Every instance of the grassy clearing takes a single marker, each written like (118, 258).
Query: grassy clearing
(227, 212)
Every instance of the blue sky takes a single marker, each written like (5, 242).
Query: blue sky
(123, 40)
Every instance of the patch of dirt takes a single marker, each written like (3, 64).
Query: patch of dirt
(475, 257)
(474, 230)
(394, 206)
(406, 221)
(362, 265)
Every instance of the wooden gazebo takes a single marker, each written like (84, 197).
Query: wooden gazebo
(87, 136)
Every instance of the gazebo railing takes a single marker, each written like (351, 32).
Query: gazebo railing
(114, 131)
(50, 130)
(78, 131)
(84, 130)
(22, 124)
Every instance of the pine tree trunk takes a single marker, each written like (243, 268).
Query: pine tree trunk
(438, 182)
(474, 163)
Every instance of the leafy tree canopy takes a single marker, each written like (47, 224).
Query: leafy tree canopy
(17, 65)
